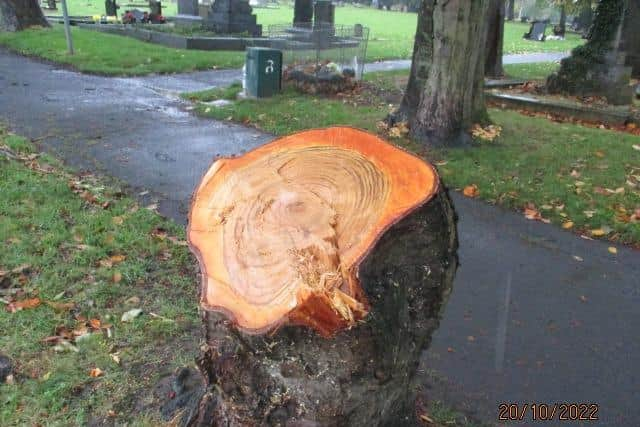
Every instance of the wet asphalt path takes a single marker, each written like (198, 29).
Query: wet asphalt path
(526, 322)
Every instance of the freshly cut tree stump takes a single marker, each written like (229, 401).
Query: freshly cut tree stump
(326, 257)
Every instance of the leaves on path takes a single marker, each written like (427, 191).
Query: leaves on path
(612, 250)
(532, 213)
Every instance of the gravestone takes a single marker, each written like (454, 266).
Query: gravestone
(232, 17)
(536, 31)
(323, 14)
(188, 7)
(303, 13)
(111, 8)
(188, 14)
(155, 7)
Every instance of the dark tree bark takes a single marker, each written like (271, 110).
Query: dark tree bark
(495, 37)
(444, 96)
(361, 375)
(597, 67)
(16, 15)
(631, 38)
(509, 6)
(563, 21)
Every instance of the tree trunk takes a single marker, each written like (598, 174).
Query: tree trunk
(16, 15)
(345, 197)
(510, 6)
(563, 21)
(444, 96)
(631, 38)
(495, 37)
(597, 67)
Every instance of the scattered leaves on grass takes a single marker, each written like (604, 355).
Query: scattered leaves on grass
(471, 190)
(486, 133)
(399, 130)
(24, 304)
(96, 372)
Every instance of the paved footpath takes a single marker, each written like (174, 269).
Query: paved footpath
(526, 322)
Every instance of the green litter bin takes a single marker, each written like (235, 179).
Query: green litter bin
(263, 72)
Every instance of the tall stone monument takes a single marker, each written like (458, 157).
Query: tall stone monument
(303, 13)
(232, 17)
(188, 14)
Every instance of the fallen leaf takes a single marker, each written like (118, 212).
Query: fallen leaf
(96, 372)
(24, 304)
(567, 225)
(115, 358)
(583, 298)
(599, 154)
(471, 190)
(450, 350)
(613, 250)
(636, 147)
(115, 259)
(598, 232)
(152, 207)
(117, 277)
(95, 323)
(487, 133)
(61, 306)
(471, 338)
(578, 258)
(425, 418)
(117, 220)
(575, 174)
(131, 314)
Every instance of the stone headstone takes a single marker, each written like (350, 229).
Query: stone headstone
(303, 13)
(188, 14)
(111, 8)
(155, 7)
(232, 17)
(536, 31)
(357, 30)
(188, 7)
(323, 14)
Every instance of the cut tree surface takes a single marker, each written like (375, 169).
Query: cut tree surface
(281, 231)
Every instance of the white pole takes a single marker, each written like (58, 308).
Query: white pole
(67, 29)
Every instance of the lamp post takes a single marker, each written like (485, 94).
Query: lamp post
(67, 29)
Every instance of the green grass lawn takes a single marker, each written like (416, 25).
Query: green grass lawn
(87, 264)
(109, 54)
(571, 174)
(391, 35)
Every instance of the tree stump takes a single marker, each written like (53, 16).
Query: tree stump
(327, 257)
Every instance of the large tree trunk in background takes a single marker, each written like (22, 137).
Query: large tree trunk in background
(597, 67)
(338, 371)
(563, 20)
(510, 6)
(495, 37)
(444, 96)
(16, 15)
(631, 38)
